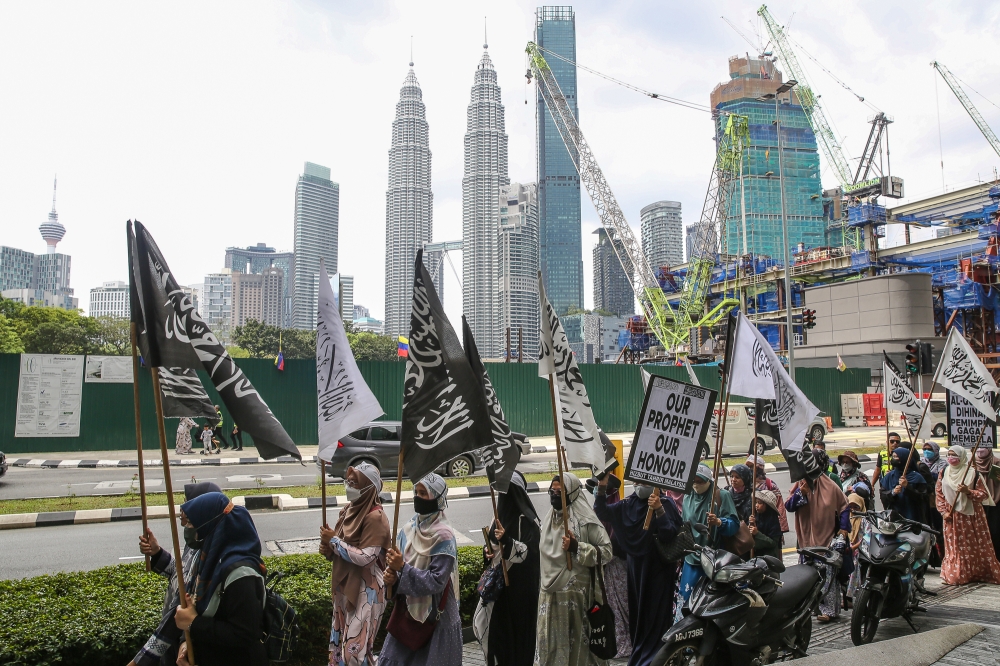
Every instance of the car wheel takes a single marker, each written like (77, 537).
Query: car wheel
(761, 447)
(817, 433)
(460, 466)
(938, 430)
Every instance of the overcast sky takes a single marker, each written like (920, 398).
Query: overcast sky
(196, 117)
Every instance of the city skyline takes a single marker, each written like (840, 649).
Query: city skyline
(641, 143)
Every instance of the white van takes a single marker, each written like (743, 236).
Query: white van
(937, 416)
(739, 436)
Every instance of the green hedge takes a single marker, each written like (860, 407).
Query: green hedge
(102, 617)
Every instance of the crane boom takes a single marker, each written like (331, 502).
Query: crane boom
(647, 289)
(970, 108)
(810, 105)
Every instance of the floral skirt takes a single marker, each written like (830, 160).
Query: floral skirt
(616, 584)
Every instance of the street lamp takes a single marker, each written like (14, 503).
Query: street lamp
(790, 334)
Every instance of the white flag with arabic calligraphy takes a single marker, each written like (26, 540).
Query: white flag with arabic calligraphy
(576, 424)
(961, 371)
(898, 396)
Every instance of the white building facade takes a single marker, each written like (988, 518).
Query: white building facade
(110, 300)
(409, 204)
(317, 224)
(217, 302)
(484, 178)
(662, 233)
(518, 269)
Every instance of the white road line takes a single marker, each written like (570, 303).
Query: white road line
(132, 557)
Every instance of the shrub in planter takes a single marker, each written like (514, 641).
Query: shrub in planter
(102, 617)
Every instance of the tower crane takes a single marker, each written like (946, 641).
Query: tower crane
(970, 108)
(670, 327)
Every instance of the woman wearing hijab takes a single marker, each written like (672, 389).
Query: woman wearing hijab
(907, 495)
(563, 634)
(764, 483)
(163, 644)
(616, 572)
(182, 447)
(741, 488)
(225, 628)
(650, 583)
(505, 631)
(984, 462)
(424, 568)
(698, 509)
(932, 458)
(856, 503)
(850, 472)
(969, 554)
(821, 512)
(764, 525)
(357, 547)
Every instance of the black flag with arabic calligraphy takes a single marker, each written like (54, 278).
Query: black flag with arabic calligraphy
(176, 337)
(766, 416)
(502, 456)
(444, 405)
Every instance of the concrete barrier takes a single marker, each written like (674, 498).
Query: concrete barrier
(922, 649)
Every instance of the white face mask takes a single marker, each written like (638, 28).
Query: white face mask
(354, 494)
(701, 487)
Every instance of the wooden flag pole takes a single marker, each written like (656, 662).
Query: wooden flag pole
(322, 483)
(496, 517)
(562, 484)
(138, 434)
(649, 512)
(720, 438)
(399, 487)
(178, 565)
(920, 424)
(753, 488)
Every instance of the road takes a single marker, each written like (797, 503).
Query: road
(41, 550)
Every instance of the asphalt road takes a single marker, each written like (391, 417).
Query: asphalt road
(41, 550)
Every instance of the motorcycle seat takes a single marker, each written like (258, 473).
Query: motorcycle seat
(797, 581)
(921, 543)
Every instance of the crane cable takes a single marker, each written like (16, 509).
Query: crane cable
(657, 96)
(832, 75)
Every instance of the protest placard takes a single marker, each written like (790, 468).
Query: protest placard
(965, 423)
(673, 424)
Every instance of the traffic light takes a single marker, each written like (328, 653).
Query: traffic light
(913, 358)
(808, 318)
(925, 358)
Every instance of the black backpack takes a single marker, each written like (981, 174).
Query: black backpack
(281, 626)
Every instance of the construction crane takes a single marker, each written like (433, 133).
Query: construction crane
(670, 328)
(658, 312)
(970, 108)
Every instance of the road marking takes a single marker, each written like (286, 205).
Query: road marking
(132, 557)
(116, 485)
(250, 478)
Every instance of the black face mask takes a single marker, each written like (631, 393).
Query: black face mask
(555, 499)
(424, 506)
(191, 538)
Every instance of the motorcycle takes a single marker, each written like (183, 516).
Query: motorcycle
(892, 559)
(753, 612)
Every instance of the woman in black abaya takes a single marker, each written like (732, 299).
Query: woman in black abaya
(506, 627)
(651, 581)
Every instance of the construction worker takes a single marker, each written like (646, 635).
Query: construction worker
(884, 463)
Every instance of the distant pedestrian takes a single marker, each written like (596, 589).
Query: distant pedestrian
(206, 440)
(884, 462)
(162, 646)
(183, 444)
(220, 434)
(969, 554)
(237, 437)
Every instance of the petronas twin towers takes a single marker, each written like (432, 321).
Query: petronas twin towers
(485, 201)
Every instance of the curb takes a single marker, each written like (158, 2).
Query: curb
(92, 463)
(904, 651)
(280, 502)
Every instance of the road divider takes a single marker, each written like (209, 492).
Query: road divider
(94, 463)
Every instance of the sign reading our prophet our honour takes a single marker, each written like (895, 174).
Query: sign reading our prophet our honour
(673, 423)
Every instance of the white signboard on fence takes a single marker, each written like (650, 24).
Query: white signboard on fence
(109, 369)
(673, 423)
(49, 396)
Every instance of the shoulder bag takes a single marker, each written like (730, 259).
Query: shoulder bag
(412, 634)
(741, 542)
(675, 550)
(603, 644)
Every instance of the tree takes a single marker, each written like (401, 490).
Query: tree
(114, 336)
(371, 347)
(10, 341)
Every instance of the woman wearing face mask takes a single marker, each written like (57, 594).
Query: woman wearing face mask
(225, 628)
(741, 488)
(650, 583)
(764, 483)
(424, 568)
(357, 548)
(907, 495)
(505, 632)
(984, 463)
(563, 633)
(698, 509)
(969, 555)
(164, 643)
(850, 472)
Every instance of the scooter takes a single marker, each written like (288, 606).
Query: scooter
(747, 613)
(892, 559)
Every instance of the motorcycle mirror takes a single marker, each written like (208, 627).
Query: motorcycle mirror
(773, 563)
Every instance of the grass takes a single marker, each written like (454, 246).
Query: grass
(131, 499)
(861, 450)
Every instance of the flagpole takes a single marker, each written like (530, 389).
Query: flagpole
(399, 487)
(720, 431)
(322, 483)
(920, 424)
(496, 517)
(559, 460)
(178, 565)
(649, 512)
(753, 471)
(138, 434)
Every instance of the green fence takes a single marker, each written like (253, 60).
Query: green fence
(108, 422)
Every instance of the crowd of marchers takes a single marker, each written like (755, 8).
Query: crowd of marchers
(545, 576)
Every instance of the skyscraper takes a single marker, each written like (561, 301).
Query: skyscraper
(409, 214)
(485, 176)
(217, 303)
(560, 243)
(317, 222)
(662, 233)
(612, 288)
(259, 296)
(690, 232)
(258, 258)
(750, 79)
(110, 300)
(518, 267)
